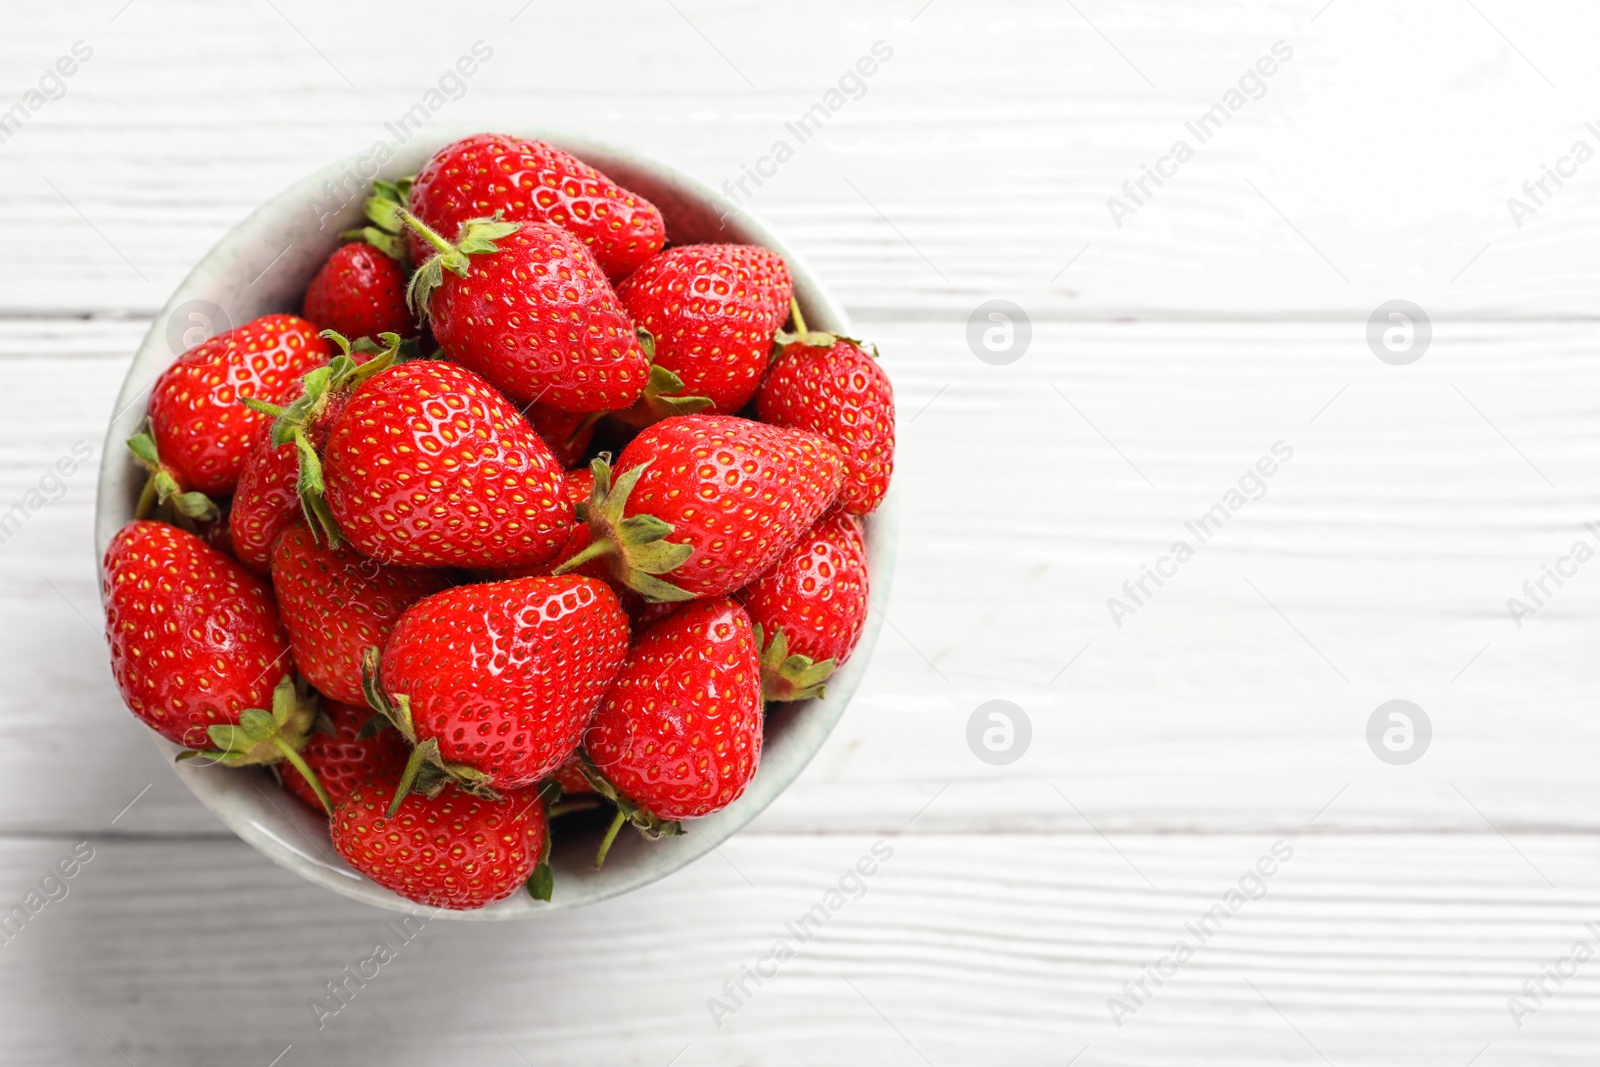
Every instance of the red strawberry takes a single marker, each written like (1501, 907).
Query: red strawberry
(527, 307)
(360, 292)
(201, 429)
(732, 495)
(566, 432)
(828, 385)
(570, 776)
(343, 760)
(530, 181)
(429, 466)
(712, 310)
(195, 638)
(496, 682)
(336, 604)
(679, 733)
(271, 494)
(453, 850)
(810, 608)
(264, 502)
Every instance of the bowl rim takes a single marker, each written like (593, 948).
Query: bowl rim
(271, 827)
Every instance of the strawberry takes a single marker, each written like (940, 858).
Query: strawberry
(195, 638)
(453, 850)
(679, 734)
(566, 432)
(830, 386)
(526, 306)
(360, 292)
(199, 428)
(342, 759)
(570, 776)
(264, 502)
(494, 683)
(336, 604)
(733, 496)
(711, 310)
(809, 609)
(428, 466)
(530, 181)
(269, 494)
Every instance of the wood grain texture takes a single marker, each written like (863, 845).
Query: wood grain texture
(1168, 356)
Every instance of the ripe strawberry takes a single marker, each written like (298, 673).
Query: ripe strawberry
(343, 760)
(429, 466)
(336, 604)
(679, 734)
(494, 683)
(269, 494)
(809, 610)
(733, 496)
(200, 429)
(360, 292)
(712, 310)
(527, 307)
(570, 776)
(264, 502)
(828, 385)
(195, 638)
(566, 432)
(453, 850)
(530, 181)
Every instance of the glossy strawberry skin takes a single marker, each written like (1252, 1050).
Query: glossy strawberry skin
(342, 761)
(680, 731)
(360, 292)
(266, 499)
(429, 466)
(195, 638)
(538, 320)
(817, 594)
(336, 604)
(712, 310)
(453, 851)
(531, 181)
(571, 779)
(505, 675)
(843, 394)
(739, 493)
(201, 429)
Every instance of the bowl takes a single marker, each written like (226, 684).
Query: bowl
(264, 265)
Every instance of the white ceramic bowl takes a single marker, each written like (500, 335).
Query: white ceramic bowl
(263, 265)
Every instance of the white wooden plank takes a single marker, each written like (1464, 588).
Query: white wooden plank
(1377, 165)
(1386, 949)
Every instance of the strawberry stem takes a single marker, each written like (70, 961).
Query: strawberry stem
(426, 232)
(799, 319)
(611, 835)
(299, 764)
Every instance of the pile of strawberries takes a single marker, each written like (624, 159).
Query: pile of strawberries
(528, 514)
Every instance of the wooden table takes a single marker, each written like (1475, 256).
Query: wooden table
(1030, 912)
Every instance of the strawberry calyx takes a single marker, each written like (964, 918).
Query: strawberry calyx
(476, 237)
(635, 547)
(263, 737)
(292, 424)
(663, 393)
(384, 233)
(427, 772)
(542, 882)
(783, 338)
(644, 820)
(790, 677)
(163, 495)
